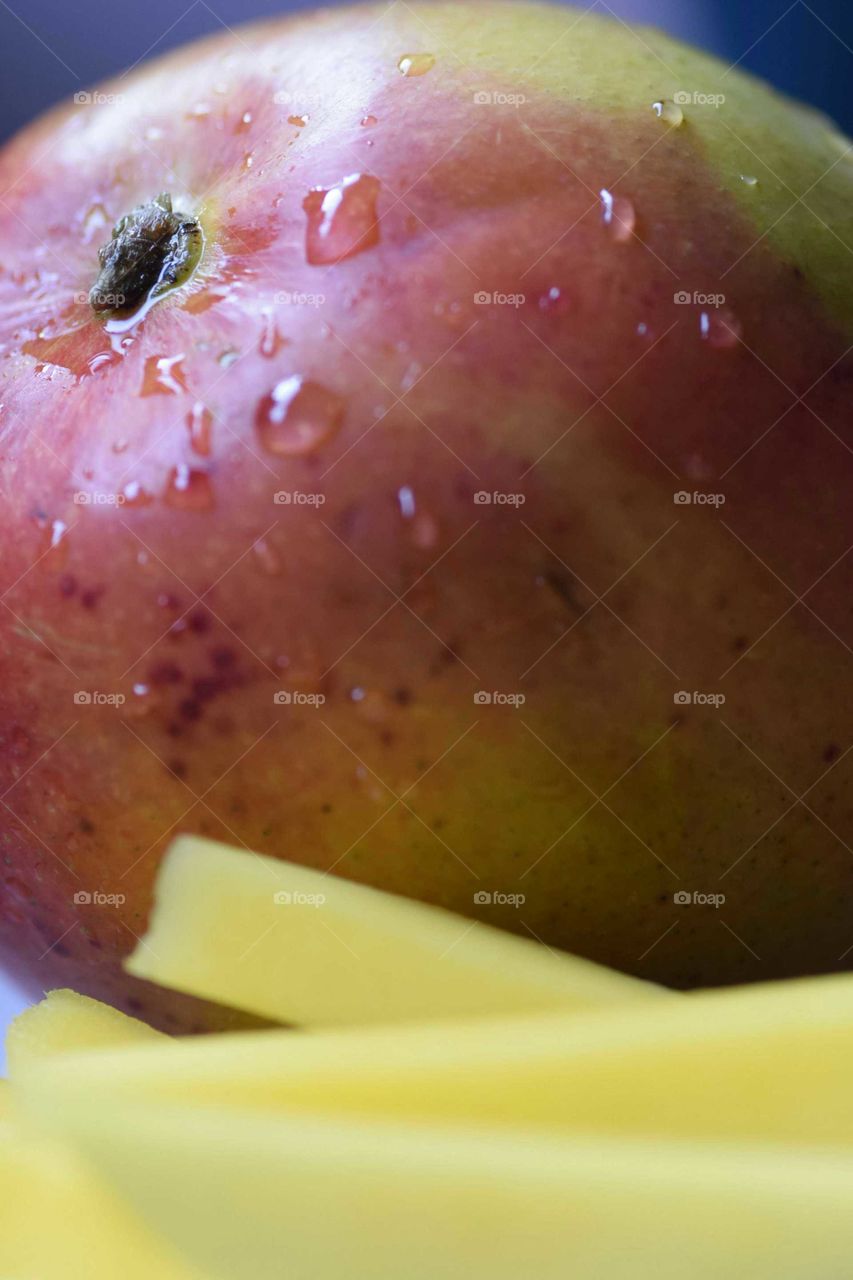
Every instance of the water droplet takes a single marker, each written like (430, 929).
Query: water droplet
(423, 528)
(244, 122)
(299, 121)
(271, 340)
(749, 180)
(54, 544)
(189, 489)
(373, 704)
(95, 220)
(199, 423)
(554, 301)
(119, 446)
(617, 215)
(266, 557)
(416, 64)
(248, 160)
(721, 328)
(369, 121)
(406, 499)
(298, 416)
(98, 361)
(412, 374)
(163, 376)
(227, 357)
(134, 495)
(668, 111)
(199, 111)
(342, 219)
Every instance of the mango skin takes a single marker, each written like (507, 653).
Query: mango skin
(595, 397)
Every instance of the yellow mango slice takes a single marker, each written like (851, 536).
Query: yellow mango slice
(65, 1021)
(266, 1195)
(58, 1222)
(295, 945)
(771, 1062)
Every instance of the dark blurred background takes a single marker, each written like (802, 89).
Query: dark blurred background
(51, 48)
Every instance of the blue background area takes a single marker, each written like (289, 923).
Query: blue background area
(50, 48)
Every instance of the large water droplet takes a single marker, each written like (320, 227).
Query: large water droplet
(368, 121)
(298, 416)
(199, 423)
(163, 376)
(189, 489)
(416, 64)
(618, 215)
(341, 220)
(720, 328)
(669, 112)
(749, 180)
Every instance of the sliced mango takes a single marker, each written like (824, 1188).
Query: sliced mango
(299, 946)
(268, 1195)
(58, 1222)
(769, 1062)
(65, 1021)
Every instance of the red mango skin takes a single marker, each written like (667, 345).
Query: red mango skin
(182, 597)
